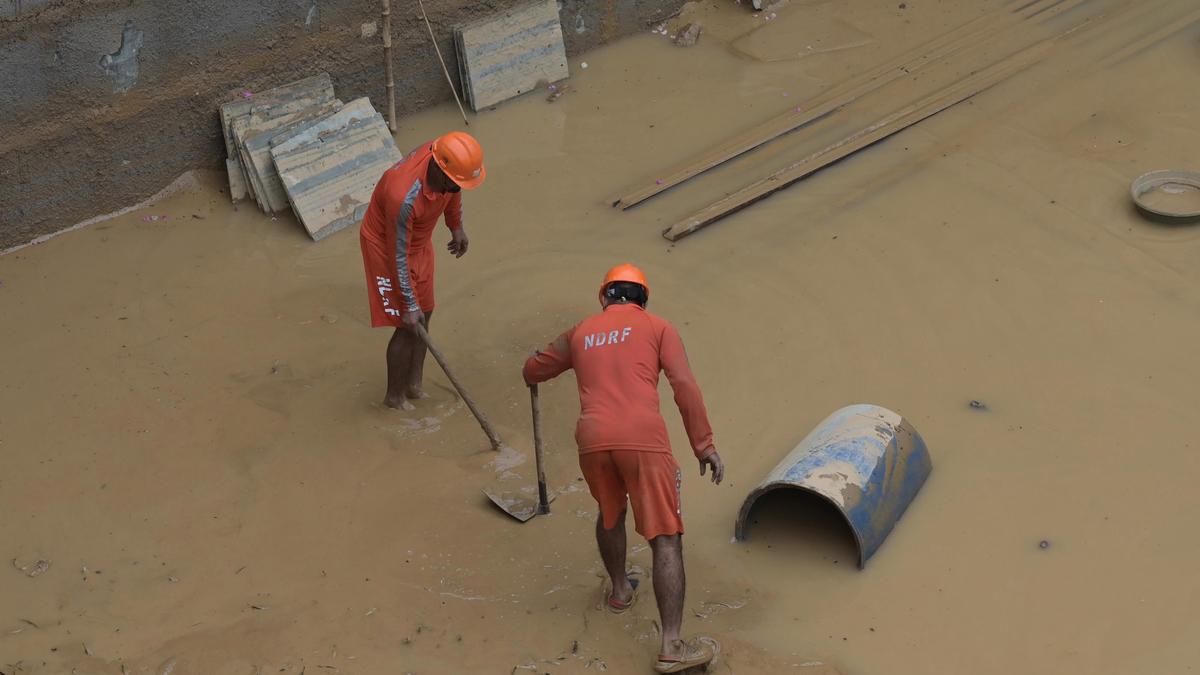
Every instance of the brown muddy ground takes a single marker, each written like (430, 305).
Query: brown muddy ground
(190, 433)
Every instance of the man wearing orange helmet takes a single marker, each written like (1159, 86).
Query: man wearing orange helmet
(624, 450)
(397, 247)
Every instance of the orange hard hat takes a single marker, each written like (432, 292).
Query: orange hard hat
(461, 158)
(625, 272)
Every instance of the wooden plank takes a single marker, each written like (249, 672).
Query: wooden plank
(1153, 38)
(508, 55)
(873, 133)
(966, 36)
(329, 181)
(317, 86)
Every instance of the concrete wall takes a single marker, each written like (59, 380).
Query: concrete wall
(103, 102)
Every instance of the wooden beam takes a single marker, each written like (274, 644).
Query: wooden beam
(965, 36)
(1153, 38)
(873, 133)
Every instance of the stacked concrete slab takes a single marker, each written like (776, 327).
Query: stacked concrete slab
(298, 147)
(509, 54)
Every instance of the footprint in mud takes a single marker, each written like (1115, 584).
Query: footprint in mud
(428, 414)
(506, 460)
(738, 656)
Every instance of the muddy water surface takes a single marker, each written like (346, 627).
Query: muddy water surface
(190, 431)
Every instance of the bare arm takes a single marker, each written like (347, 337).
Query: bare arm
(454, 220)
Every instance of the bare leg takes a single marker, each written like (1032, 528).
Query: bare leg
(612, 552)
(399, 359)
(669, 587)
(416, 369)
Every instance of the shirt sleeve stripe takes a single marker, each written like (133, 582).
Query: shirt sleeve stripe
(403, 279)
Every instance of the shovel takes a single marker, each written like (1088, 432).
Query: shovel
(518, 504)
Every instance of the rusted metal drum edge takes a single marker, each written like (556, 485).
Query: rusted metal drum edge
(865, 460)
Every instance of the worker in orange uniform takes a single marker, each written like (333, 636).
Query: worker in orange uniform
(624, 450)
(397, 248)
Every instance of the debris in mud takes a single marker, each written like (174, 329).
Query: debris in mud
(978, 405)
(689, 35)
(556, 92)
(709, 608)
(155, 218)
(86, 649)
(33, 569)
(1044, 544)
(168, 667)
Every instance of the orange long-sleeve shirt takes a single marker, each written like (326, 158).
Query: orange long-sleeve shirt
(402, 216)
(617, 356)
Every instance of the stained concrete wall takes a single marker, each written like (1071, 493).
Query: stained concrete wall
(103, 102)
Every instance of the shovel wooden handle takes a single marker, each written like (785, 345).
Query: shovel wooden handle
(543, 500)
(441, 359)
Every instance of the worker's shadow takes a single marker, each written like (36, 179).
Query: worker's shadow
(802, 526)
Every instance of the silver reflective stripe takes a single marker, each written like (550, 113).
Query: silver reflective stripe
(403, 280)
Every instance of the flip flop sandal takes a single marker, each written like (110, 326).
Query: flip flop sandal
(616, 606)
(694, 654)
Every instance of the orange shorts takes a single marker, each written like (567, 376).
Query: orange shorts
(651, 480)
(386, 301)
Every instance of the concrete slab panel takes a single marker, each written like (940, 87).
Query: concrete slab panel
(330, 180)
(507, 55)
(256, 148)
(318, 88)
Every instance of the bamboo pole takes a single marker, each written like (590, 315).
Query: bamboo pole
(387, 64)
(445, 70)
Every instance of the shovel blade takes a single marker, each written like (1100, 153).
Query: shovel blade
(517, 504)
